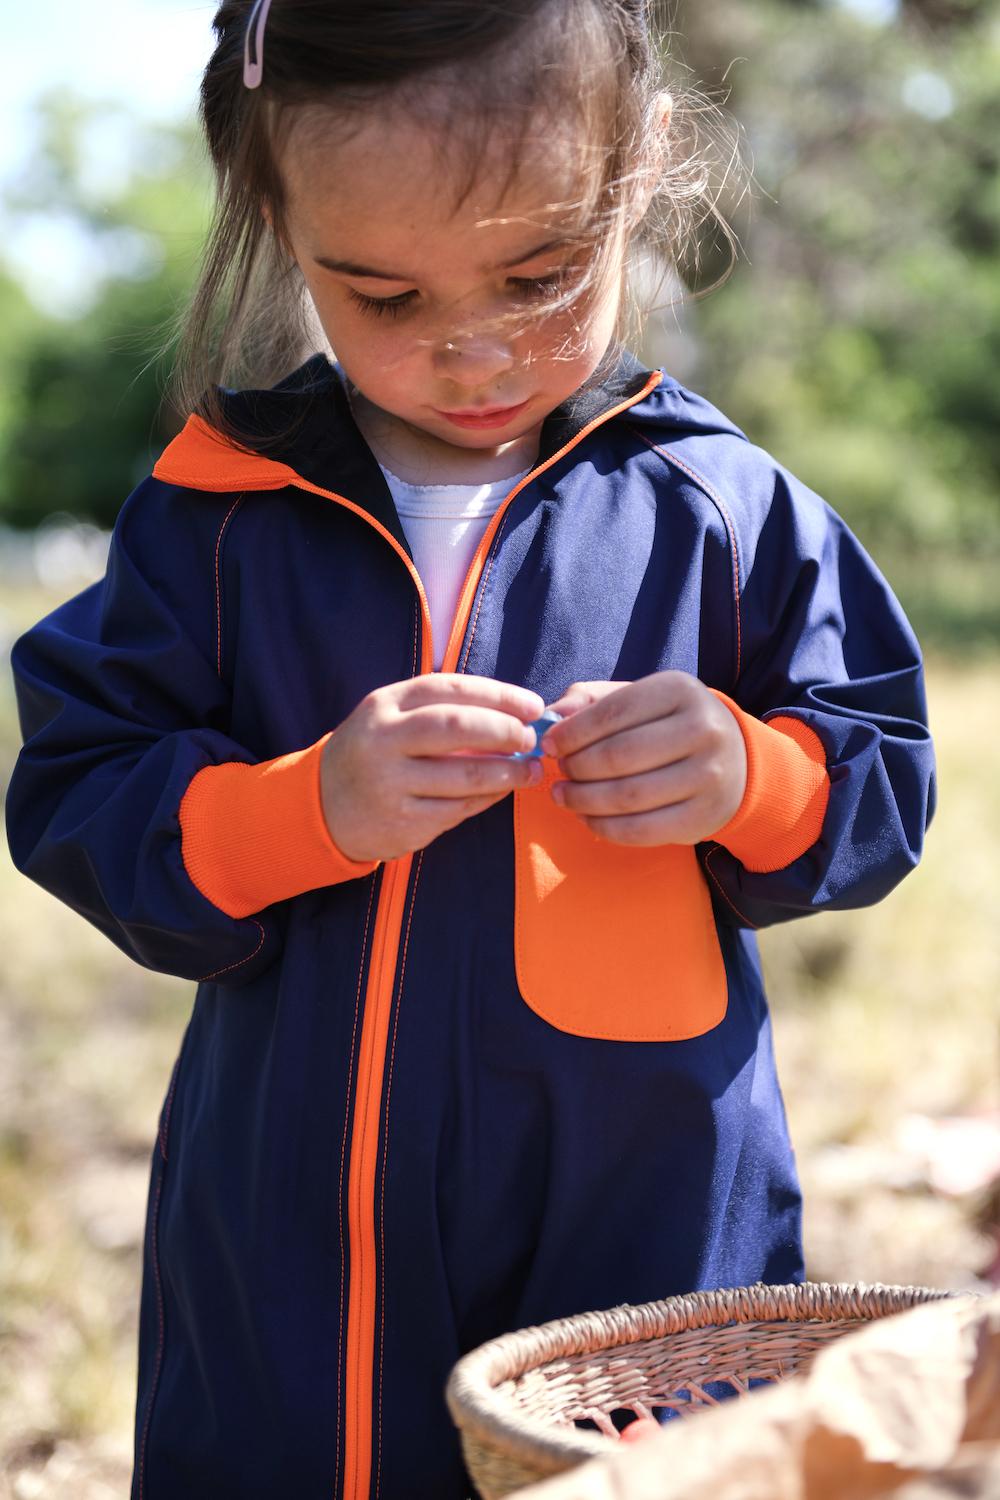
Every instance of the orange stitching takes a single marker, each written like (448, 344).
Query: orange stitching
(216, 972)
(722, 893)
(159, 1347)
(731, 529)
(385, 1153)
(340, 1191)
(165, 1127)
(218, 587)
(416, 632)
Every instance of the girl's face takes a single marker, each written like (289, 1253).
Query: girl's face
(414, 293)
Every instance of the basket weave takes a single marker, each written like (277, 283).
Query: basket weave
(515, 1399)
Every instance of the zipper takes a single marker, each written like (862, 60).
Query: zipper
(361, 1295)
(389, 916)
(362, 1289)
(470, 587)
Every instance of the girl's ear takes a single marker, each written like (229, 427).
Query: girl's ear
(665, 103)
(656, 153)
(268, 217)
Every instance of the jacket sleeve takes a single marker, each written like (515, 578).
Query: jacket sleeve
(125, 719)
(830, 699)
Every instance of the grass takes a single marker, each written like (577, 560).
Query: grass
(892, 1011)
(879, 1015)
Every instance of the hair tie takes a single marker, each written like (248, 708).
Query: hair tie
(253, 72)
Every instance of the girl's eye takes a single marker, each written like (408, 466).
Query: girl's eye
(538, 286)
(383, 306)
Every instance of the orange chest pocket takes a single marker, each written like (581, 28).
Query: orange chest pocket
(612, 942)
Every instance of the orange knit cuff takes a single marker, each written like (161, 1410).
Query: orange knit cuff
(255, 834)
(783, 807)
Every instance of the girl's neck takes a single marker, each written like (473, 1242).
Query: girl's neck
(419, 458)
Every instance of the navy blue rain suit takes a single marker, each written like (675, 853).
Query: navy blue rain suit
(524, 1072)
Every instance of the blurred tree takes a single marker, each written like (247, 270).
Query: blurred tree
(858, 339)
(83, 421)
(20, 322)
(861, 343)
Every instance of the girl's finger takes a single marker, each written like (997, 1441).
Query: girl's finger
(581, 695)
(440, 813)
(470, 776)
(682, 823)
(457, 688)
(443, 729)
(630, 794)
(629, 705)
(630, 752)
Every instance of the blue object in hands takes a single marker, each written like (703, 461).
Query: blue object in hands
(540, 726)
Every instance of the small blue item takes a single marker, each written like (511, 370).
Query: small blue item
(540, 726)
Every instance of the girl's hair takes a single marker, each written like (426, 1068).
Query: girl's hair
(590, 67)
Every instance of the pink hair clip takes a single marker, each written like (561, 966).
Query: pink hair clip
(253, 72)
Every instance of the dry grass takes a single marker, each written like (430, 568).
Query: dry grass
(892, 1012)
(879, 1015)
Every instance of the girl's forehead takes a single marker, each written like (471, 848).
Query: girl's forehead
(387, 175)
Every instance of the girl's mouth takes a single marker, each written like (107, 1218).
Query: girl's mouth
(484, 416)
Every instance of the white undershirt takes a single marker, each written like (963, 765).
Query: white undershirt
(444, 524)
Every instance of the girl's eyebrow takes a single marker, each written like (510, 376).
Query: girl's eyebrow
(351, 268)
(558, 244)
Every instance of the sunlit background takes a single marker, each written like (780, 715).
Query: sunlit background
(858, 338)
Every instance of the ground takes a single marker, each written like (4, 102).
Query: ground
(888, 1041)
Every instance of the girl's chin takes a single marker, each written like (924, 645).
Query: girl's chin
(479, 440)
(458, 456)
(493, 444)
(427, 448)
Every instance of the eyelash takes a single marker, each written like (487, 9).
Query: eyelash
(540, 286)
(386, 307)
(393, 307)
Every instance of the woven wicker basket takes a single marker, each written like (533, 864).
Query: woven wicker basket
(515, 1400)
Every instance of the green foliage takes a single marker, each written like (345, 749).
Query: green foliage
(861, 342)
(83, 420)
(88, 424)
(858, 339)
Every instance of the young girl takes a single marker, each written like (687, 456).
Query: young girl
(459, 1060)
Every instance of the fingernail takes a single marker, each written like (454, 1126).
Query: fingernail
(534, 773)
(558, 795)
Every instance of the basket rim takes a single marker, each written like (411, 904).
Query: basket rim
(470, 1390)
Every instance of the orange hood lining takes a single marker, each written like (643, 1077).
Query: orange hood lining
(201, 458)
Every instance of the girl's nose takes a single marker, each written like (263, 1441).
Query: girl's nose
(473, 359)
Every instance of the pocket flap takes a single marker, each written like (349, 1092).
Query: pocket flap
(611, 941)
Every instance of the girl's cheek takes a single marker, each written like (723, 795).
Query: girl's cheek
(541, 341)
(382, 349)
(399, 357)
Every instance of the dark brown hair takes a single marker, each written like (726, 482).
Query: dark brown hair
(590, 63)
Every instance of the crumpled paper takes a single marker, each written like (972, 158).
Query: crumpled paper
(908, 1406)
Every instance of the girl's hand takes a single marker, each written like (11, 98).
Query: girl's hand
(658, 761)
(390, 777)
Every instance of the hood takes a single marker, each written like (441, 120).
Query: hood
(677, 412)
(302, 429)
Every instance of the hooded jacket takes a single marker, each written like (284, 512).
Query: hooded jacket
(516, 1075)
